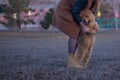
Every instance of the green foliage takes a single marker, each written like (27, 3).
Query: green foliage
(46, 22)
(15, 7)
(1, 10)
(8, 14)
(28, 21)
(19, 5)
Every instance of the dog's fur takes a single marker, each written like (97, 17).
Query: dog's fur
(86, 40)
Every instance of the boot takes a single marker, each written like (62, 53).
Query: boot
(72, 63)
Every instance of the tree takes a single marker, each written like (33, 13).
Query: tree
(1, 10)
(12, 12)
(46, 22)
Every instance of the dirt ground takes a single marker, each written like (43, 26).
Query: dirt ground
(42, 56)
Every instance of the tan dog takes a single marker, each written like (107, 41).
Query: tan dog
(86, 39)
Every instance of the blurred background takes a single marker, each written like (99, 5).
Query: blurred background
(37, 15)
(32, 49)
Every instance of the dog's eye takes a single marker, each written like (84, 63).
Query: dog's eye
(87, 16)
(93, 28)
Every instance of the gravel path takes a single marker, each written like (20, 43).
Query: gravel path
(42, 56)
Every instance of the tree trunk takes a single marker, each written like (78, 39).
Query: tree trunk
(18, 22)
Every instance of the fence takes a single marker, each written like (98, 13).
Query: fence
(108, 23)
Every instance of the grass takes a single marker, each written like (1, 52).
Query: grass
(42, 56)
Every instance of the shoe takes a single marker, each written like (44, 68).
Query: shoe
(72, 63)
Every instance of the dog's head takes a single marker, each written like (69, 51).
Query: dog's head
(88, 19)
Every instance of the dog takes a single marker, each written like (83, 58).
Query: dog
(86, 40)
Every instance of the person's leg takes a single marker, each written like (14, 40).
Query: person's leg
(71, 45)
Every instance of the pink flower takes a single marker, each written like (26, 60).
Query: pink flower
(117, 15)
(2, 19)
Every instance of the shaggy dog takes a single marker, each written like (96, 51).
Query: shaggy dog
(86, 39)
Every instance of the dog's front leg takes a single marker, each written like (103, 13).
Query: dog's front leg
(80, 53)
(87, 56)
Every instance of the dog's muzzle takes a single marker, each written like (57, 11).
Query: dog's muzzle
(85, 22)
